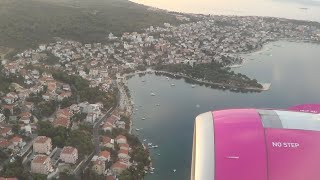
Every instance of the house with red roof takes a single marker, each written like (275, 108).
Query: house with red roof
(6, 131)
(42, 145)
(69, 155)
(123, 154)
(107, 127)
(104, 156)
(41, 164)
(16, 140)
(124, 146)
(5, 143)
(118, 167)
(121, 139)
(64, 95)
(107, 142)
(61, 121)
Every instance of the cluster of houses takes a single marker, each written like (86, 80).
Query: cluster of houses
(119, 143)
(41, 162)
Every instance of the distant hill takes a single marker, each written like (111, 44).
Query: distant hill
(26, 23)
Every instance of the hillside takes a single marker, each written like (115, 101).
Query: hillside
(25, 23)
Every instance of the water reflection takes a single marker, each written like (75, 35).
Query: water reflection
(292, 9)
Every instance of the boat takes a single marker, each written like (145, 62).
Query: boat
(155, 146)
(172, 84)
(137, 129)
(157, 104)
(151, 172)
(143, 118)
(167, 78)
(144, 140)
(136, 109)
(158, 154)
(149, 144)
(193, 86)
(174, 170)
(152, 94)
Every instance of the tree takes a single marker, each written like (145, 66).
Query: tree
(6, 113)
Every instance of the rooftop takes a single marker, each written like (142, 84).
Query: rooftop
(40, 159)
(68, 150)
(42, 139)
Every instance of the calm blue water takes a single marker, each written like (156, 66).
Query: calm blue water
(293, 70)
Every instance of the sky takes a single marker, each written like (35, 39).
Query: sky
(275, 8)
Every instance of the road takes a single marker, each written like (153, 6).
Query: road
(95, 133)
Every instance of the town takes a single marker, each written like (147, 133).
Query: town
(66, 110)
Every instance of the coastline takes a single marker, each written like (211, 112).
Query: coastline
(266, 86)
(261, 49)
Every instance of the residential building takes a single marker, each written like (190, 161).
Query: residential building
(16, 140)
(41, 164)
(6, 131)
(120, 139)
(124, 146)
(2, 117)
(61, 121)
(107, 142)
(107, 127)
(123, 154)
(42, 145)
(69, 155)
(118, 167)
(99, 166)
(104, 156)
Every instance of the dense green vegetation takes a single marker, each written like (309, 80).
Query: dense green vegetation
(14, 169)
(212, 72)
(5, 83)
(82, 89)
(81, 138)
(25, 23)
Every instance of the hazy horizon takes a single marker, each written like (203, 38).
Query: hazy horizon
(293, 9)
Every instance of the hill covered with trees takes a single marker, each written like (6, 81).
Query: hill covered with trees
(25, 23)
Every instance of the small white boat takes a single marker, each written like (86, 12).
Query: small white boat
(167, 78)
(136, 109)
(158, 154)
(137, 129)
(149, 144)
(172, 84)
(144, 140)
(155, 146)
(152, 94)
(193, 86)
(151, 172)
(143, 118)
(174, 170)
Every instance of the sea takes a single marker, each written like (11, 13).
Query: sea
(291, 68)
(291, 9)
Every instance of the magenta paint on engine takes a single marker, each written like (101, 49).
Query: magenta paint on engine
(293, 154)
(240, 149)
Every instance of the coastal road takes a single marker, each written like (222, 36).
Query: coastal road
(96, 128)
